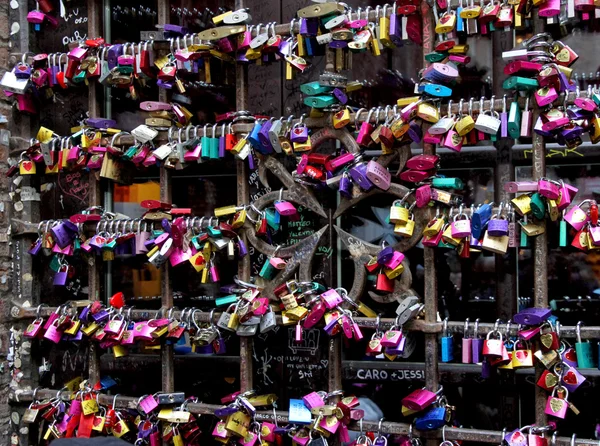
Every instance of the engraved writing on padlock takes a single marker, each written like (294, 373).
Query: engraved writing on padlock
(380, 176)
(576, 217)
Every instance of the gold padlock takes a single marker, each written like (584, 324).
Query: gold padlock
(120, 351)
(384, 31)
(499, 245)
(286, 320)
(120, 429)
(428, 112)
(239, 219)
(522, 357)
(459, 49)
(237, 424)
(297, 313)
(239, 146)
(234, 321)
(263, 400)
(547, 359)
(89, 330)
(595, 130)
(433, 227)
(522, 204)
(73, 328)
(532, 229)
(341, 118)
(399, 128)
(446, 23)
(289, 302)
(553, 210)
(447, 236)
(303, 146)
(89, 406)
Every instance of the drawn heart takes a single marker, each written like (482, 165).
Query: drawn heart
(517, 437)
(98, 421)
(118, 428)
(390, 334)
(199, 260)
(522, 355)
(551, 380)
(570, 378)
(546, 340)
(27, 165)
(556, 405)
(325, 362)
(373, 344)
(571, 355)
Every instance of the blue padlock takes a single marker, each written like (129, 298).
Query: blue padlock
(585, 357)
(433, 419)
(480, 218)
(447, 344)
(254, 140)
(435, 90)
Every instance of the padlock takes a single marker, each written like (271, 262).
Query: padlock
(479, 218)
(522, 357)
(398, 213)
(461, 228)
(378, 175)
(532, 316)
(433, 419)
(405, 229)
(493, 347)
(576, 217)
(571, 379)
(419, 399)
(374, 346)
(585, 358)
(555, 406)
(547, 380)
(341, 118)
(488, 122)
(447, 341)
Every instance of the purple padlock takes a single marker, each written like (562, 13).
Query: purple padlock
(100, 316)
(60, 278)
(397, 350)
(477, 349)
(572, 379)
(395, 29)
(83, 316)
(299, 133)
(378, 175)
(62, 235)
(423, 196)
(340, 95)
(309, 27)
(595, 235)
(385, 255)
(345, 186)
(175, 29)
(167, 85)
(112, 55)
(263, 135)
(415, 132)
(497, 227)
(532, 316)
(359, 176)
(219, 347)
(35, 248)
(242, 249)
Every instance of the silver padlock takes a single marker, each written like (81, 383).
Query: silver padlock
(268, 322)
(237, 17)
(324, 39)
(409, 346)
(336, 22)
(225, 318)
(406, 304)
(410, 313)
(11, 83)
(246, 330)
(274, 133)
(514, 55)
(219, 243)
(443, 126)
(47, 149)
(488, 122)
(254, 320)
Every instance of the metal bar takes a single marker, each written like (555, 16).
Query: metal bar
(451, 433)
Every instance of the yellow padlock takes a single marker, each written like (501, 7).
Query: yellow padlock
(238, 424)
(433, 227)
(446, 23)
(459, 49)
(375, 50)
(225, 210)
(393, 273)
(399, 128)
(532, 229)
(398, 213)
(522, 204)
(405, 229)
(428, 112)
(341, 118)
(90, 329)
(239, 146)
(89, 406)
(26, 166)
(253, 54)
(239, 219)
(73, 328)
(384, 30)
(198, 262)
(464, 125)
(120, 429)
(98, 424)
(553, 210)
(447, 236)
(297, 313)
(303, 146)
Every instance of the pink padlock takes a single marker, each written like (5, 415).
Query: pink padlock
(25, 104)
(433, 240)
(379, 175)
(128, 337)
(141, 155)
(151, 160)
(95, 161)
(298, 334)
(555, 406)
(39, 77)
(550, 8)
(461, 228)
(423, 196)
(555, 124)
(301, 437)
(143, 331)
(194, 154)
(545, 96)
(453, 141)
(586, 103)
(339, 161)
(77, 53)
(419, 399)
(392, 337)
(548, 189)
(219, 431)
(267, 431)
(408, 111)
(313, 399)
(331, 298)
(577, 218)
(358, 336)
(34, 329)
(277, 262)
(594, 232)
(114, 326)
(396, 259)
(73, 154)
(428, 138)
(52, 333)
(315, 315)
(248, 440)
(36, 16)
(178, 256)
(67, 250)
(125, 60)
(148, 404)
(330, 424)
(284, 208)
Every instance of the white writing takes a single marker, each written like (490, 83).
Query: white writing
(396, 375)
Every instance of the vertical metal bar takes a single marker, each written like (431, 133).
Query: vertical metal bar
(95, 196)
(243, 197)
(540, 245)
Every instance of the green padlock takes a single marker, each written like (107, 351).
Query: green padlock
(524, 242)
(514, 120)
(319, 101)
(156, 233)
(447, 183)
(537, 206)
(79, 77)
(585, 357)
(130, 153)
(76, 245)
(110, 246)
(227, 300)
(596, 98)
(520, 84)
(55, 264)
(314, 88)
(435, 57)
(267, 271)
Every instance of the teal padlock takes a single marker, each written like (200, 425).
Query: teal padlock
(537, 206)
(130, 153)
(524, 241)
(435, 90)
(435, 57)
(55, 264)
(214, 232)
(447, 183)
(514, 120)
(205, 144)
(562, 234)
(314, 88)
(226, 300)
(596, 99)
(520, 83)
(585, 357)
(447, 352)
(319, 101)
(273, 218)
(267, 271)
(156, 233)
